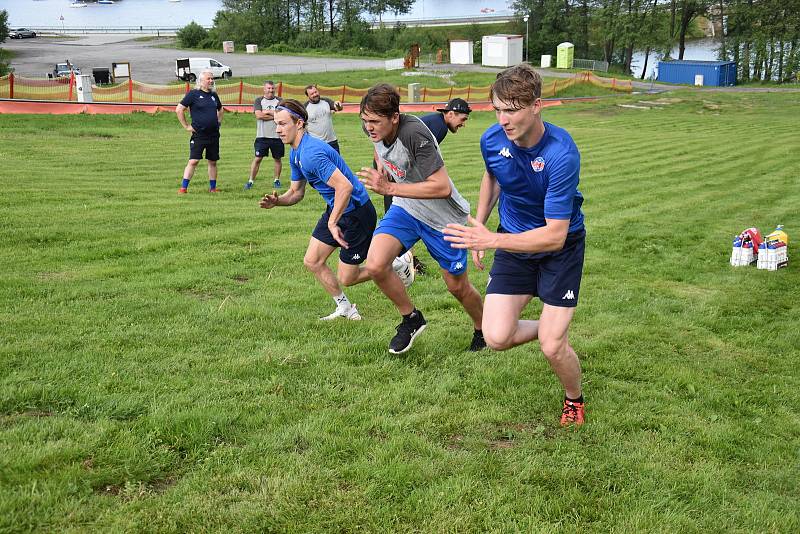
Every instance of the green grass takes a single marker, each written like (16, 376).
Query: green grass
(162, 368)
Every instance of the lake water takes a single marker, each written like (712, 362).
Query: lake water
(163, 13)
(698, 49)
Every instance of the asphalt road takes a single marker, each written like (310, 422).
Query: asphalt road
(150, 64)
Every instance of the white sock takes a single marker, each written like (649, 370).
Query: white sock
(250, 180)
(341, 302)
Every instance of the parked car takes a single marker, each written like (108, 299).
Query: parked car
(64, 69)
(188, 68)
(21, 33)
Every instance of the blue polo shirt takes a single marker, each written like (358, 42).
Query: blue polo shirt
(536, 183)
(203, 108)
(437, 126)
(315, 161)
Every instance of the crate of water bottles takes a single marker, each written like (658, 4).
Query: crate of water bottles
(770, 253)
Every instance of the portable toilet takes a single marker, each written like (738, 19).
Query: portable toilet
(713, 73)
(565, 56)
(461, 52)
(501, 50)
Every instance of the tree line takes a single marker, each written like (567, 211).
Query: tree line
(761, 36)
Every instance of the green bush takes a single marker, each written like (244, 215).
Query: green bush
(192, 35)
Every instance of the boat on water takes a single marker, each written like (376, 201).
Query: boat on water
(105, 1)
(78, 4)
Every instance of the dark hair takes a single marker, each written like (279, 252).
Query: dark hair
(296, 109)
(382, 99)
(519, 86)
(309, 87)
(269, 82)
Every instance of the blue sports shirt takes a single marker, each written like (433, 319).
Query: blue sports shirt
(203, 107)
(437, 126)
(315, 161)
(536, 183)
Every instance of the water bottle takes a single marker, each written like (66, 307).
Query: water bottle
(736, 252)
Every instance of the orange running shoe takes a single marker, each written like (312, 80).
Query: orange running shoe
(572, 413)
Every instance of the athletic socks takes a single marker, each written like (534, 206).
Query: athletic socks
(212, 184)
(185, 183)
(341, 302)
(578, 400)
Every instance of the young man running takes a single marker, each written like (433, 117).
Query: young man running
(349, 219)
(425, 202)
(267, 139)
(206, 112)
(532, 168)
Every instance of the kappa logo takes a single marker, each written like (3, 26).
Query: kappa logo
(356, 256)
(459, 265)
(201, 96)
(423, 143)
(506, 153)
(538, 164)
(569, 295)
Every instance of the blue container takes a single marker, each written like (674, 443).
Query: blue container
(715, 73)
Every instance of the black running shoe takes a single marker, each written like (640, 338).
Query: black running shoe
(407, 330)
(419, 266)
(478, 343)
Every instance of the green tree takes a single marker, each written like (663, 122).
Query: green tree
(192, 35)
(3, 26)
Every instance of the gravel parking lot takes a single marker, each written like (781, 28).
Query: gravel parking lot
(150, 64)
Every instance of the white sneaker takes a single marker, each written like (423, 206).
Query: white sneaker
(404, 267)
(348, 313)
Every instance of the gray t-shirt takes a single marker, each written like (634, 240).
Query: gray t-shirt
(320, 123)
(266, 128)
(412, 158)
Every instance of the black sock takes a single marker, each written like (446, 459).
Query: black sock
(579, 399)
(413, 312)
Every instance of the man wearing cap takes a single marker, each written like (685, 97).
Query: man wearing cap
(449, 118)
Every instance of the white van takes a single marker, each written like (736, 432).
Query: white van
(188, 68)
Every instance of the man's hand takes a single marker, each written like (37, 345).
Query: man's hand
(476, 237)
(336, 232)
(375, 181)
(189, 128)
(269, 201)
(337, 106)
(477, 259)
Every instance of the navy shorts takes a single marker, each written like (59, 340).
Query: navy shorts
(335, 145)
(265, 145)
(207, 143)
(357, 228)
(554, 277)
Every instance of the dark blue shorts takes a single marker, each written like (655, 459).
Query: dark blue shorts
(401, 225)
(265, 145)
(554, 277)
(207, 143)
(335, 145)
(357, 228)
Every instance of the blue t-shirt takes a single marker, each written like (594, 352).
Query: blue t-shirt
(315, 161)
(203, 108)
(437, 126)
(536, 183)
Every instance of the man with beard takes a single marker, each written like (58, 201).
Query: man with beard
(320, 116)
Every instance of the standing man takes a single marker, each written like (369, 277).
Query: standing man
(266, 139)
(320, 116)
(206, 111)
(532, 168)
(348, 220)
(425, 202)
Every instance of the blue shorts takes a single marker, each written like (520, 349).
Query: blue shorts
(265, 145)
(398, 223)
(554, 277)
(357, 227)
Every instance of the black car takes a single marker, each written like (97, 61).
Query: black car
(21, 33)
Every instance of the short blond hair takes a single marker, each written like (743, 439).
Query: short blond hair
(519, 86)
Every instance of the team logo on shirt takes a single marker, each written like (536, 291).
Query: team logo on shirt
(397, 171)
(538, 164)
(506, 153)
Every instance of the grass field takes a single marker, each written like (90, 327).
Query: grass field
(162, 367)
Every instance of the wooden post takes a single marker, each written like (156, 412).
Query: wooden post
(449, 98)
(71, 84)
(130, 91)
(11, 86)
(187, 87)
(241, 88)
(344, 87)
(425, 93)
(469, 88)
(280, 89)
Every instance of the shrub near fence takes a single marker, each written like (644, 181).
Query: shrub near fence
(63, 89)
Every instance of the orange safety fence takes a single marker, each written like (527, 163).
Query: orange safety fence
(241, 93)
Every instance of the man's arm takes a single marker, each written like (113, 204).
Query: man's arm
(437, 185)
(292, 196)
(548, 238)
(487, 198)
(220, 113)
(180, 110)
(343, 191)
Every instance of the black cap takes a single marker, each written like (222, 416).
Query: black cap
(458, 105)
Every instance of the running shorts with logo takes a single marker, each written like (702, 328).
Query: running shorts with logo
(208, 143)
(554, 277)
(264, 145)
(399, 224)
(357, 228)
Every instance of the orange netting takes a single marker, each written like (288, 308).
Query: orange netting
(130, 91)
